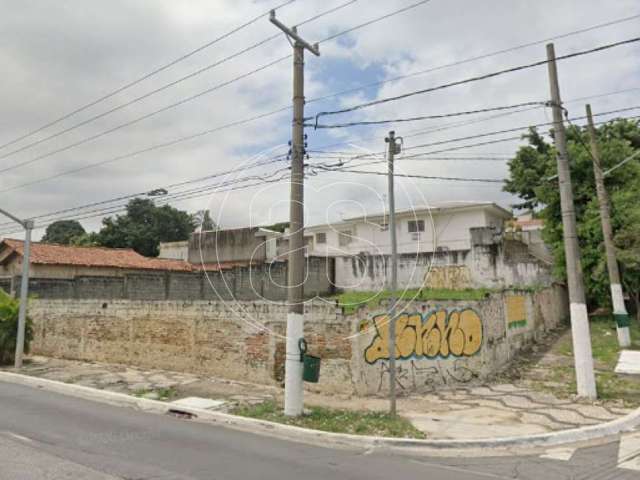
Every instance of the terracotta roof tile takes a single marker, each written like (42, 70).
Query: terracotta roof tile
(52, 254)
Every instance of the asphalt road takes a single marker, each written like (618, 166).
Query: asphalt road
(50, 436)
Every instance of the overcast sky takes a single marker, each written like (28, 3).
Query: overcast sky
(58, 56)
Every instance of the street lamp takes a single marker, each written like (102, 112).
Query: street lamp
(24, 285)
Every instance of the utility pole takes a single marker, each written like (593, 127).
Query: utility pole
(293, 386)
(619, 309)
(581, 336)
(394, 148)
(24, 286)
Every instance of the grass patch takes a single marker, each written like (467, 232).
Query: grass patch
(163, 394)
(560, 379)
(338, 421)
(351, 301)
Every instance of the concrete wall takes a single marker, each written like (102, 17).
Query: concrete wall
(240, 245)
(174, 250)
(265, 281)
(440, 343)
(492, 265)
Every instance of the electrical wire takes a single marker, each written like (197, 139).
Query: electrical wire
(424, 177)
(473, 59)
(476, 78)
(189, 137)
(430, 117)
(147, 75)
(169, 85)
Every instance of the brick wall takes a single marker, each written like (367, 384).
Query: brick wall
(440, 343)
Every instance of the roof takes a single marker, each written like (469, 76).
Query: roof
(435, 209)
(99, 257)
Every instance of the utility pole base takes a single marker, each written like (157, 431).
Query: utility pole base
(293, 385)
(621, 315)
(581, 336)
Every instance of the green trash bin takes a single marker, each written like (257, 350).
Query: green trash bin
(310, 363)
(311, 369)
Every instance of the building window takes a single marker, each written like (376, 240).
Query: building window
(321, 238)
(416, 226)
(344, 238)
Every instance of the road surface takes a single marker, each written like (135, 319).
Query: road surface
(49, 436)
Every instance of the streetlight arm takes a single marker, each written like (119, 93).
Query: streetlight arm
(24, 223)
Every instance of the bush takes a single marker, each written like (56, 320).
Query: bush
(9, 308)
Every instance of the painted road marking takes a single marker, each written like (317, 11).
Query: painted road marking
(629, 451)
(564, 454)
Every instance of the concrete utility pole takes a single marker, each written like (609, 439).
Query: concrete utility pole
(619, 309)
(24, 286)
(293, 386)
(583, 356)
(393, 149)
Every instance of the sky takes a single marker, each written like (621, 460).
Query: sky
(59, 56)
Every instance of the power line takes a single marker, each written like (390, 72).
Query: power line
(424, 177)
(375, 20)
(169, 85)
(431, 117)
(180, 195)
(475, 58)
(259, 163)
(146, 76)
(476, 78)
(189, 137)
(496, 132)
(415, 133)
(143, 117)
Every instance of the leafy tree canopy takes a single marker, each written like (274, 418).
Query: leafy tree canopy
(530, 171)
(144, 226)
(63, 232)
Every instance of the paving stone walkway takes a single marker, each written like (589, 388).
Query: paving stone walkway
(466, 412)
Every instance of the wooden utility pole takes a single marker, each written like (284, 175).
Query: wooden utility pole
(393, 149)
(619, 309)
(293, 385)
(581, 336)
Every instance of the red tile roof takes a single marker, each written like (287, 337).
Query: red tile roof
(52, 254)
(216, 267)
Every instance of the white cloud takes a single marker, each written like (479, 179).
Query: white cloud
(58, 58)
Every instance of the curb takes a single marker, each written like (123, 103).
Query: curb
(317, 437)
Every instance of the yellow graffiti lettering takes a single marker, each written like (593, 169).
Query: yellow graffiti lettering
(439, 333)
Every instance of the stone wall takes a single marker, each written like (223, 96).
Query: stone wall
(262, 282)
(438, 343)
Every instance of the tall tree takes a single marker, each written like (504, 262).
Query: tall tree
(531, 178)
(144, 226)
(203, 222)
(63, 232)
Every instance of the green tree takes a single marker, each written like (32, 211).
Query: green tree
(531, 172)
(63, 232)
(9, 308)
(144, 226)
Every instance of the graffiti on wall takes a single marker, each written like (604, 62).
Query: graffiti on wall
(516, 311)
(413, 376)
(435, 334)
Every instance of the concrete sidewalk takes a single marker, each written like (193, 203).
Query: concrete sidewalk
(498, 410)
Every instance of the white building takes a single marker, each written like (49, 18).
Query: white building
(454, 245)
(444, 227)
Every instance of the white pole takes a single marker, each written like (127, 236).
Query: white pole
(24, 291)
